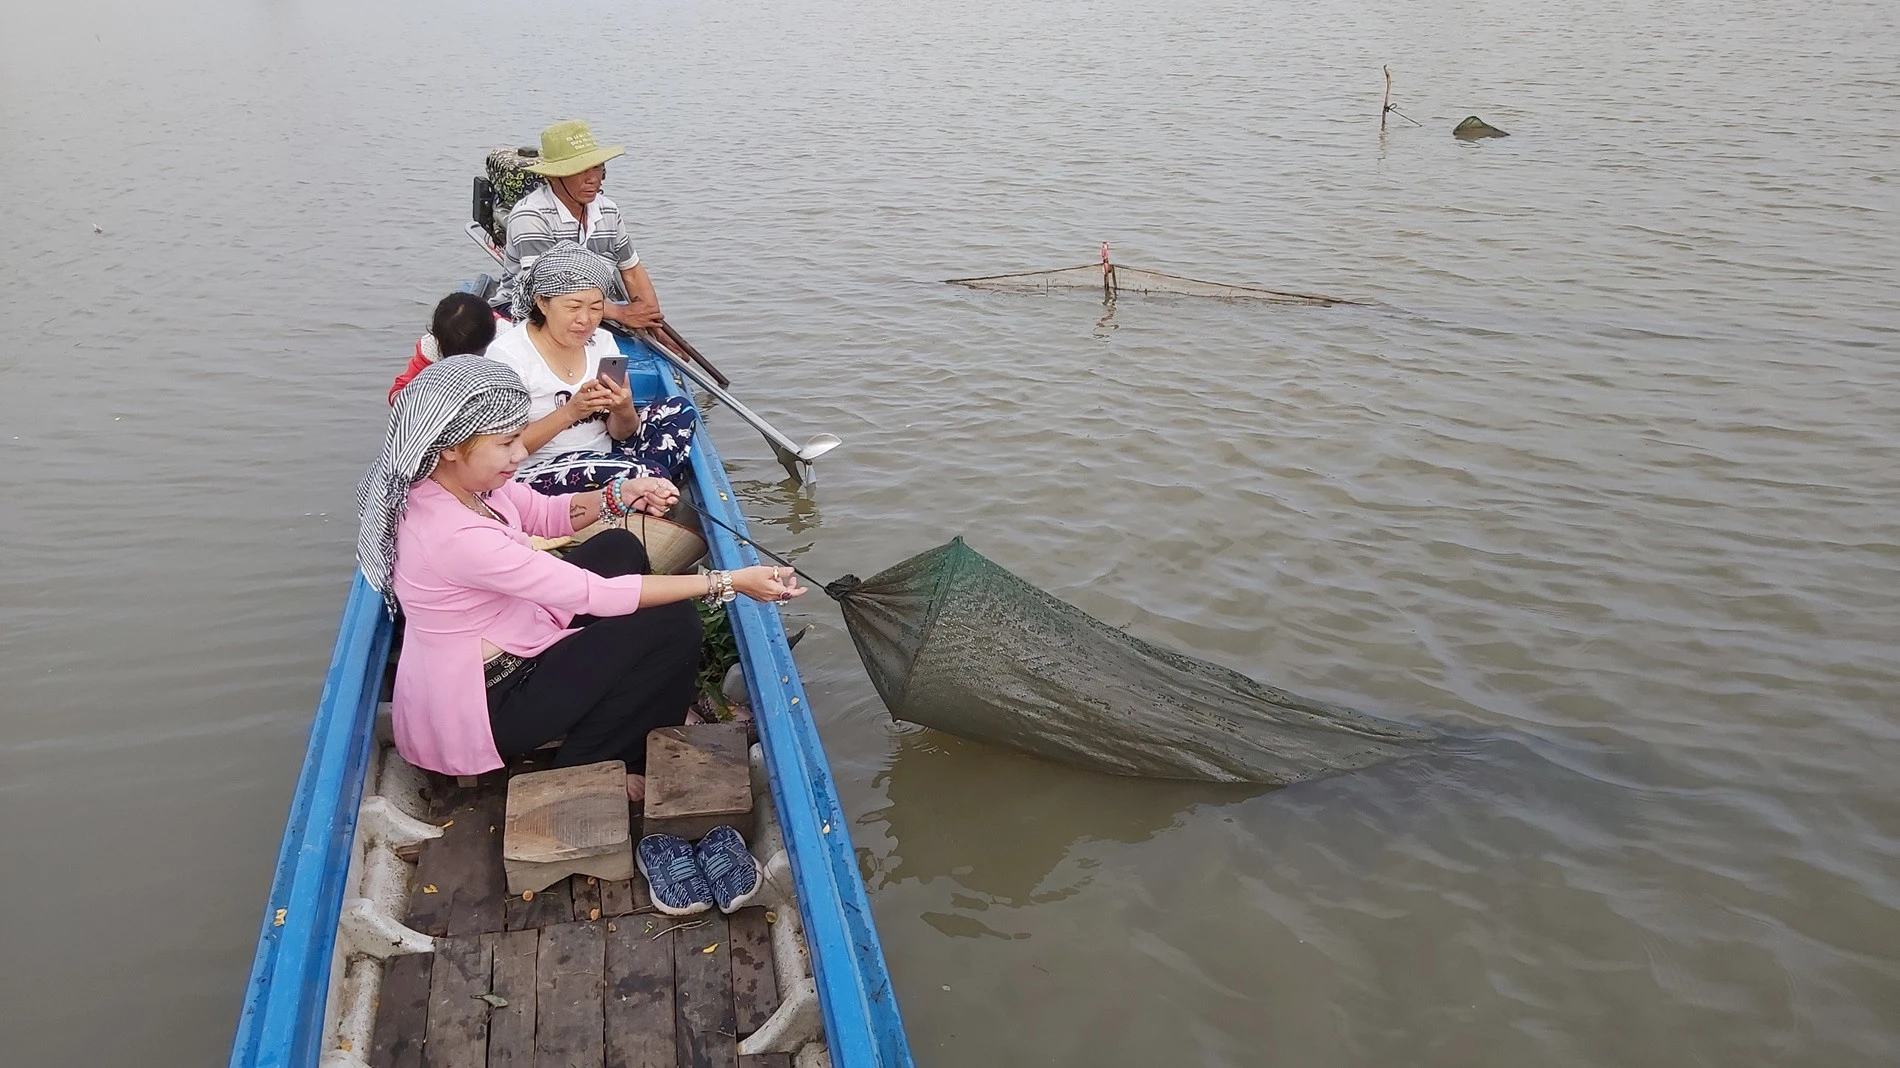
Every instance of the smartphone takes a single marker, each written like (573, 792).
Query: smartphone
(614, 368)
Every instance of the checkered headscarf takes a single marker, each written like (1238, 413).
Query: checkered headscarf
(452, 401)
(565, 268)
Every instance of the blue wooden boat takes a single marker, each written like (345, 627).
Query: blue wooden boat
(334, 942)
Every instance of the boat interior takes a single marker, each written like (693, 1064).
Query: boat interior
(437, 964)
(585, 972)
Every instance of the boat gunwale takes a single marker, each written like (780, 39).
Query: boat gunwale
(863, 1027)
(282, 1023)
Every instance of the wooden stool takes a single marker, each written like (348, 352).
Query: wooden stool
(567, 821)
(697, 779)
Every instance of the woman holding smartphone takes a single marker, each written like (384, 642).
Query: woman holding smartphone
(507, 648)
(584, 429)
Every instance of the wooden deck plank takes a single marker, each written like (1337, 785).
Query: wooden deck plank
(458, 1017)
(511, 1028)
(569, 1029)
(697, 778)
(639, 997)
(622, 897)
(754, 985)
(460, 873)
(444, 795)
(587, 895)
(617, 897)
(546, 908)
(402, 1012)
(702, 979)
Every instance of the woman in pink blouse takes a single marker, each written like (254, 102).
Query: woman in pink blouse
(506, 648)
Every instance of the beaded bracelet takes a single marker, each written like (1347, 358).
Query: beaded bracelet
(610, 502)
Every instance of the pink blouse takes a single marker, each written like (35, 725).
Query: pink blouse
(462, 577)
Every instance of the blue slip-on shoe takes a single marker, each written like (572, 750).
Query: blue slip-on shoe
(679, 888)
(730, 868)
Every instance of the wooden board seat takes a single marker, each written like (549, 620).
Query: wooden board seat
(698, 779)
(567, 821)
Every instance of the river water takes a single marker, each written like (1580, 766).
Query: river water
(1606, 483)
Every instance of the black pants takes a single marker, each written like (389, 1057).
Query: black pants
(609, 684)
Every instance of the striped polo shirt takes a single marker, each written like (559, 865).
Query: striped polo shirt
(539, 219)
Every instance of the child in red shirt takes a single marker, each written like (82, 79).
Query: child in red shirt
(462, 324)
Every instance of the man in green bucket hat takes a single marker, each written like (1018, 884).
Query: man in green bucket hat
(568, 206)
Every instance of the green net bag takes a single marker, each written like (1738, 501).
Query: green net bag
(955, 642)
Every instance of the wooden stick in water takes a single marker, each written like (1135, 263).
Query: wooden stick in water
(1387, 106)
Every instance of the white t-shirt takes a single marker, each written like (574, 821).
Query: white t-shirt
(546, 392)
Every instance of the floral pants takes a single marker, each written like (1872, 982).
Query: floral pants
(659, 449)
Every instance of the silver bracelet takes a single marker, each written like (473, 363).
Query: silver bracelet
(719, 587)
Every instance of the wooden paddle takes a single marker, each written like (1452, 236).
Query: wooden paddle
(686, 349)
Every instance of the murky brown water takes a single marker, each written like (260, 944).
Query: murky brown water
(1608, 484)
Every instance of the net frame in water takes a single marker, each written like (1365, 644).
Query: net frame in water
(1115, 279)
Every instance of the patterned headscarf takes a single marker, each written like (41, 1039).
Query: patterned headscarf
(565, 268)
(450, 402)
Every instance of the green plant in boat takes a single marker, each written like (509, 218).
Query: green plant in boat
(721, 652)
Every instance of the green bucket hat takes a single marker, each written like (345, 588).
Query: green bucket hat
(568, 148)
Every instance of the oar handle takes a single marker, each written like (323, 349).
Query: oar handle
(667, 339)
(686, 348)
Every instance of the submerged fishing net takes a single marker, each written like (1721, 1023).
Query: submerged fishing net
(1111, 280)
(955, 642)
